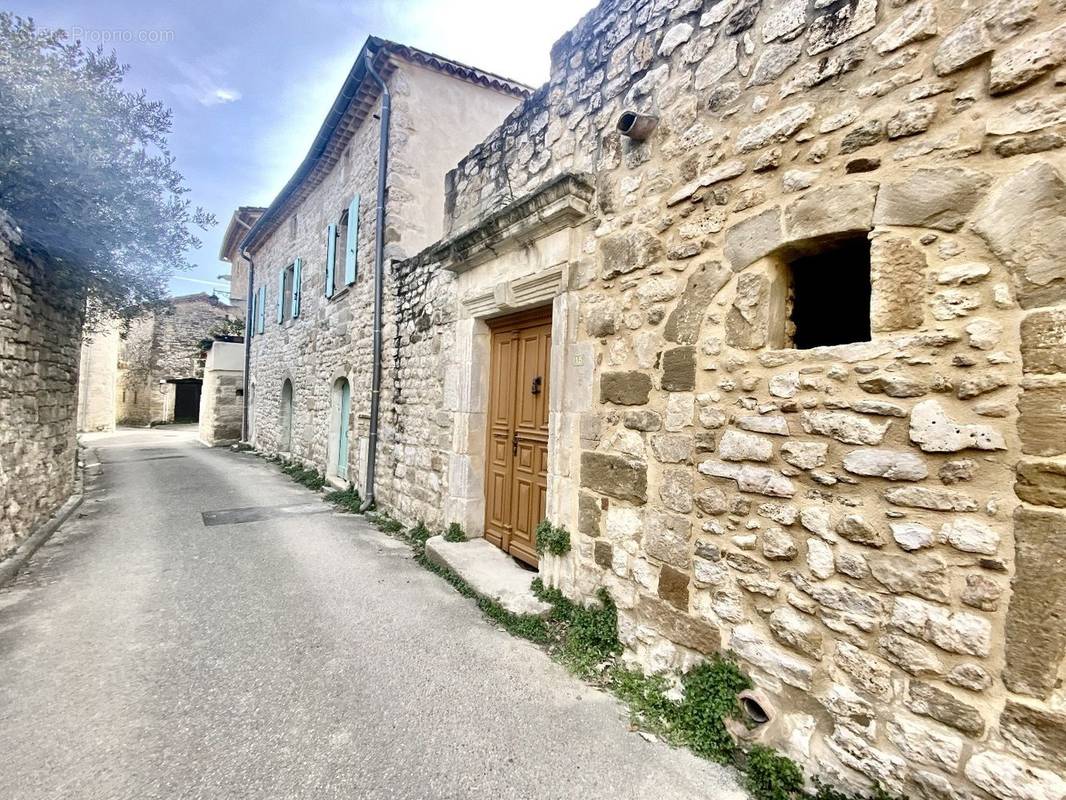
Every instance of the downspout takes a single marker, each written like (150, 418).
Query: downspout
(379, 282)
(248, 323)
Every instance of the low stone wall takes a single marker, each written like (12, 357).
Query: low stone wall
(40, 343)
(222, 395)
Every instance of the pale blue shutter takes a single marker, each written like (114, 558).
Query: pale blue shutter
(331, 257)
(297, 269)
(262, 308)
(281, 296)
(351, 252)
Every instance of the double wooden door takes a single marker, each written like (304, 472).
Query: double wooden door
(516, 481)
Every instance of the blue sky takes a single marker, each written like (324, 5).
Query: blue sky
(250, 82)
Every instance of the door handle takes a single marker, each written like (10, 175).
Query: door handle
(514, 444)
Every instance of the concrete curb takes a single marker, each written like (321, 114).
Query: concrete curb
(10, 566)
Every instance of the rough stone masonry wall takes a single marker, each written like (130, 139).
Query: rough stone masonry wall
(40, 342)
(164, 344)
(875, 529)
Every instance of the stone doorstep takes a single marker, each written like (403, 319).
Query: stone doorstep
(490, 572)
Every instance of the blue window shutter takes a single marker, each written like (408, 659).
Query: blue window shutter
(351, 252)
(281, 296)
(297, 269)
(262, 308)
(251, 314)
(331, 257)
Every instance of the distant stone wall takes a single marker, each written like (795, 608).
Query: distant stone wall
(40, 342)
(98, 378)
(876, 528)
(164, 345)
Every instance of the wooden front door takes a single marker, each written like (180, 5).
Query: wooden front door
(516, 483)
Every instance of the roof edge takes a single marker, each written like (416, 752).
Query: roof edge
(373, 47)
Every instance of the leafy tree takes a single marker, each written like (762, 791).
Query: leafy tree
(85, 169)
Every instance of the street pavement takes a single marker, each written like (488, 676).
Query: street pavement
(283, 651)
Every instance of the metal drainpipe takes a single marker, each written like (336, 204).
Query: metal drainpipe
(379, 281)
(248, 323)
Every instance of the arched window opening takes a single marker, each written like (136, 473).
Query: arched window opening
(285, 440)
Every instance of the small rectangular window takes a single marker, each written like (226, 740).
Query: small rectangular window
(292, 226)
(829, 294)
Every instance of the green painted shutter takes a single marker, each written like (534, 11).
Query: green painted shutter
(281, 296)
(331, 257)
(297, 269)
(351, 252)
(262, 308)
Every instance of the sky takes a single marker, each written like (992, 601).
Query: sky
(249, 83)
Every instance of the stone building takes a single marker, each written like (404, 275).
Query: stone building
(314, 248)
(40, 340)
(98, 377)
(239, 224)
(161, 360)
(788, 359)
(222, 395)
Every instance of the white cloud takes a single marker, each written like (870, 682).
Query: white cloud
(201, 85)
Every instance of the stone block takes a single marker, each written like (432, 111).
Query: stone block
(1036, 619)
(603, 554)
(1044, 341)
(928, 701)
(897, 284)
(588, 515)
(915, 24)
(797, 631)
(935, 432)
(753, 238)
(615, 476)
(679, 628)
(845, 427)
(679, 370)
(1042, 483)
(775, 129)
(666, 538)
(841, 22)
(893, 465)
(922, 576)
(673, 587)
(1042, 419)
(1007, 778)
(625, 388)
(748, 320)
(1034, 733)
(939, 198)
(1029, 59)
(845, 208)
(629, 251)
(683, 324)
(1024, 224)
(759, 480)
(753, 648)
(739, 446)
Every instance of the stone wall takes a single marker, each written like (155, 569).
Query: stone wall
(40, 343)
(874, 528)
(98, 378)
(164, 345)
(222, 396)
(332, 337)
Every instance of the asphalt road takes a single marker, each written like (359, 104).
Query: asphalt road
(144, 654)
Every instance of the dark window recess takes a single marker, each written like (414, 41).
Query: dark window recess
(830, 294)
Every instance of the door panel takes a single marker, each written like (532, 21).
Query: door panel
(517, 468)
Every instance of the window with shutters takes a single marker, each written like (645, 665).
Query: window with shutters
(286, 293)
(342, 237)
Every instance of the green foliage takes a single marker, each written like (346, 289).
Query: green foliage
(771, 776)
(230, 326)
(346, 499)
(555, 541)
(824, 792)
(419, 534)
(311, 478)
(586, 636)
(711, 691)
(455, 533)
(384, 522)
(86, 171)
(646, 697)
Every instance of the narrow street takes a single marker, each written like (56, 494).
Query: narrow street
(283, 652)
